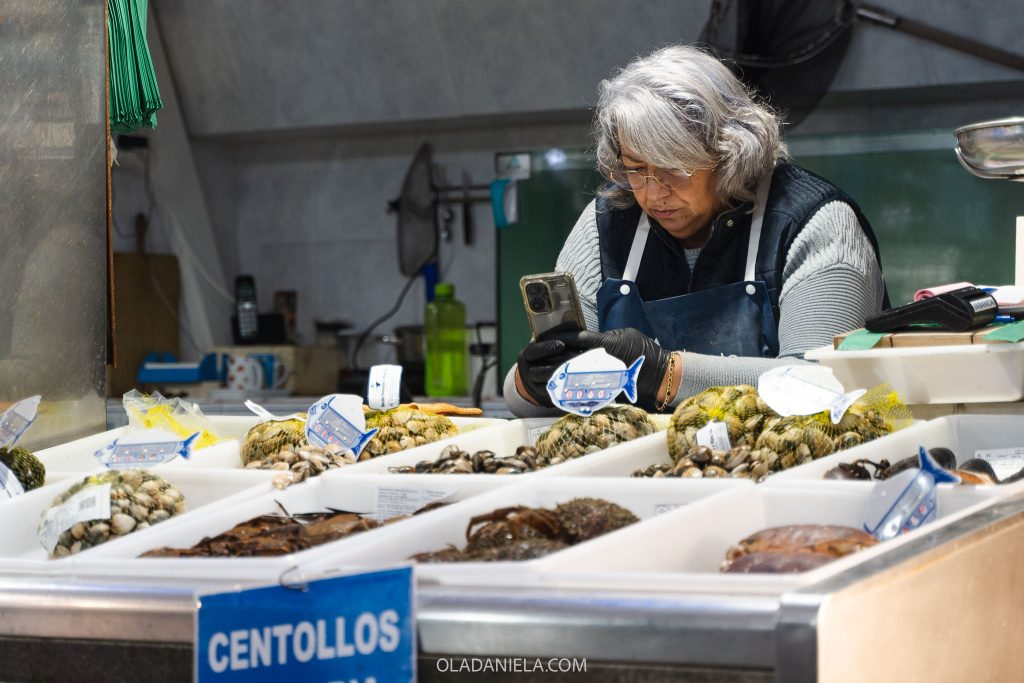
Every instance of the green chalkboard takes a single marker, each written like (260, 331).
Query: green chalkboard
(935, 222)
(550, 201)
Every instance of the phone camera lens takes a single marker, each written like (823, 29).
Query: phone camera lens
(538, 297)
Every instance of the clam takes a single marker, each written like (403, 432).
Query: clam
(135, 495)
(121, 524)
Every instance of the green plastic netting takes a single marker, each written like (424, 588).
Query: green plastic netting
(134, 95)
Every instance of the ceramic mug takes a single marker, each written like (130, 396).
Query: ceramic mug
(275, 372)
(243, 373)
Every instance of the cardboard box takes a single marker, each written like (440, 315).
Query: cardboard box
(883, 343)
(904, 340)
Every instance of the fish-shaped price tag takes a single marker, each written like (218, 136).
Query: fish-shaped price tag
(9, 484)
(16, 420)
(585, 384)
(338, 419)
(805, 390)
(144, 449)
(907, 500)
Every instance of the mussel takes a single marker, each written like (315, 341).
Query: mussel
(945, 457)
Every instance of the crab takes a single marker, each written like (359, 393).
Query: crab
(586, 518)
(511, 524)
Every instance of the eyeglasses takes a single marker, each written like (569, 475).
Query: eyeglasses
(635, 181)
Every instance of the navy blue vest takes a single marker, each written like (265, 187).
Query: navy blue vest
(796, 195)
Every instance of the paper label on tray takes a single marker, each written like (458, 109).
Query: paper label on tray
(394, 501)
(536, 433)
(667, 507)
(1005, 461)
(805, 390)
(383, 387)
(9, 484)
(714, 435)
(92, 502)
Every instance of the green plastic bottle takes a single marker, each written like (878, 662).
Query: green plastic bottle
(445, 326)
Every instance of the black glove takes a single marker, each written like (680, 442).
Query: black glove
(627, 345)
(536, 363)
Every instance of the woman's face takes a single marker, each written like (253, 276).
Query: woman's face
(683, 205)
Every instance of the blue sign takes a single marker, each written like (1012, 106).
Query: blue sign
(357, 628)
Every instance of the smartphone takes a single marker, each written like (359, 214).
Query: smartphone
(551, 302)
(245, 308)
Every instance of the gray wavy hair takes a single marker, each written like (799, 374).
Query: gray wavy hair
(681, 108)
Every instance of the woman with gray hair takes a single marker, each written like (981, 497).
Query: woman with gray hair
(707, 252)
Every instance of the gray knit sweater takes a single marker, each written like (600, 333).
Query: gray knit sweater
(831, 282)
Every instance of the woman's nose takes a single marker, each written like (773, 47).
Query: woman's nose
(656, 189)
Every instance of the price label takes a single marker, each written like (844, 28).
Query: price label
(1005, 461)
(383, 389)
(714, 435)
(9, 484)
(92, 502)
(16, 420)
(395, 501)
(536, 433)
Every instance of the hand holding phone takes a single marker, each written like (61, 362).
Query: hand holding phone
(551, 303)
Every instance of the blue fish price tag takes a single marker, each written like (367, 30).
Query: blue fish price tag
(906, 501)
(144, 449)
(16, 420)
(9, 484)
(585, 384)
(359, 627)
(338, 419)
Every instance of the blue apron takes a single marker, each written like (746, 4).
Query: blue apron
(731, 320)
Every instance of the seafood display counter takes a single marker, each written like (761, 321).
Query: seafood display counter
(618, 547)
(860, 624)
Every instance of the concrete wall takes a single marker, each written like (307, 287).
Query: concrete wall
(303, 122)
(264, 65)
(310, 215)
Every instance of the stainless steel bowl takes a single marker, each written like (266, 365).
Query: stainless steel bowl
(993, 149)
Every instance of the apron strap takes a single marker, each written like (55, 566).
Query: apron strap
(636, 252)
(754, 240)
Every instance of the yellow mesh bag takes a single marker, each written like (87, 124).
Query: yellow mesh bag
(798, 439)
(573, 435)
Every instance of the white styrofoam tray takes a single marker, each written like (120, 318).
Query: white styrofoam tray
(644, 498)
(69, 459)
(19, 542)
(505, 442)
(355, 494)
(965, 435)
(230, 458)
(502, 438)
(971, 373)
(640, 454)
(75, 457)
(682, 550)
